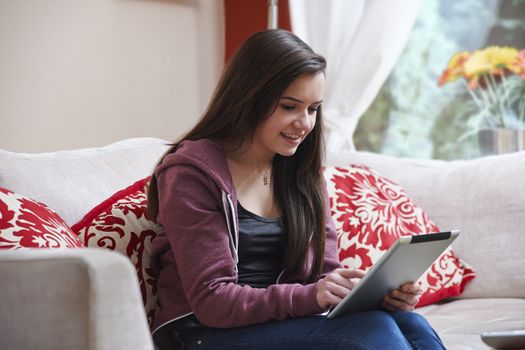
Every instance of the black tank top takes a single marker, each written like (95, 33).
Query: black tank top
(262, 245)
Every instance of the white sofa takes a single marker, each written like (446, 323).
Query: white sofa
(89, 299)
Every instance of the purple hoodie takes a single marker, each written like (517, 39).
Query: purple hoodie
(196, 257)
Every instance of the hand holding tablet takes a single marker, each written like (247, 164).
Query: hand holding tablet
(404, 262)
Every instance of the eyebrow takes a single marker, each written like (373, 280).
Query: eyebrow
(298, 100)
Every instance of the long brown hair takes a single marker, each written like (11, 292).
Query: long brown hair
(249, 90)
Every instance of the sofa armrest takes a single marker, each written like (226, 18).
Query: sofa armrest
(70, 299)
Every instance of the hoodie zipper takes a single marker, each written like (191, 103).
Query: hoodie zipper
(231, 223)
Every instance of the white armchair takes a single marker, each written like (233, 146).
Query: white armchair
(82, 299)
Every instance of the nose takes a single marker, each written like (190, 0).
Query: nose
(304, 121)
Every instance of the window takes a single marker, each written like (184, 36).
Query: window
(412, 116)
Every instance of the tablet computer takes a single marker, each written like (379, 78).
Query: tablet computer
(404, 262)
(512, 339)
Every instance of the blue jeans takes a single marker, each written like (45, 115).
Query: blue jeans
(365, 330)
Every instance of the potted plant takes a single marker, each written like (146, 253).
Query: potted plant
(495, 79)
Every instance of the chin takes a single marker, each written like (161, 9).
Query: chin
(288, 152)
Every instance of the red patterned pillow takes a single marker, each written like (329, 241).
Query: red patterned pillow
(120, 223)
(26, 223)
(370, 213)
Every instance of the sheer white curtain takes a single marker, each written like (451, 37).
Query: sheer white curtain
(361, 40)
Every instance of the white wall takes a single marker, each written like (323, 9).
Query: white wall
(83, 73)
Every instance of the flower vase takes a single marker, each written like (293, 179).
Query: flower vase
(501, 140)
(521, 139)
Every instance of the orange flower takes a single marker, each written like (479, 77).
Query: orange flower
(476, 66)
(494, 78)
(454, 68)
(520, 64)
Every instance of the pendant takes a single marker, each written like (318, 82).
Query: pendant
(266, 178)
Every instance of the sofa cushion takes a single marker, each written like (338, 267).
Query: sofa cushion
(120, 223)
(371, 212)
(26, 223)
(483, 197)
(72, 182)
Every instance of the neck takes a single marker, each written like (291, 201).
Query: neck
(253, 162)
(249, 155)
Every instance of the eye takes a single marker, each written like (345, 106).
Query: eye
(313, 110)
(287, 107)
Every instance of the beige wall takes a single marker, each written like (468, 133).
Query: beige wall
(83, 73)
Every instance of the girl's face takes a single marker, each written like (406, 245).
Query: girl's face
(293, 119)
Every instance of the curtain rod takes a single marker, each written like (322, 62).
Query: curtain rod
(273, 14)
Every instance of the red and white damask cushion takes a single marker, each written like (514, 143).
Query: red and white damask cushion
(26, 223)
(120, 223)
(370, 213)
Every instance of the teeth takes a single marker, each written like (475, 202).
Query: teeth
(291, 136)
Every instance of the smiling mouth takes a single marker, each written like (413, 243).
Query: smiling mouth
(291, 137)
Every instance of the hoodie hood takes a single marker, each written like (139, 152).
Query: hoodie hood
(205, 154)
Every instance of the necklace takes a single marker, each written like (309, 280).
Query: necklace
(266, 177)
(265, 172)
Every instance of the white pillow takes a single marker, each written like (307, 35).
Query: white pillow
(73, 182)
(483, 197)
